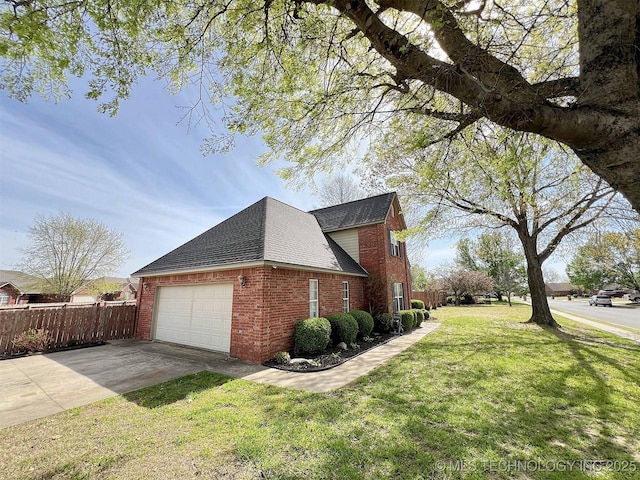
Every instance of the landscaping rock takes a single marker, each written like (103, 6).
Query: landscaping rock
(342, 345)
(301, 360)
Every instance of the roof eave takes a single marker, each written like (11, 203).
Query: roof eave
(307, 268)
(14, 286)
(210, 268)
(331, 230)
(236, 266)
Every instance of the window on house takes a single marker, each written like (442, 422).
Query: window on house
(398, 297)
(395, 245)
(4, 298)
(313, 298)
(345, 296)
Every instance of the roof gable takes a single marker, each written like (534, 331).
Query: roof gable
(238, 239)
(366, 211)
(267, 231)
(25, 283)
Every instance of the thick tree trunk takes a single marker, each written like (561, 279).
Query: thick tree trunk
(540, 314)
(617, 163)
(602, 128)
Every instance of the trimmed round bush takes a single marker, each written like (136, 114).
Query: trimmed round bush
(282, 358)
(408, 319)
(311, 335)
(426, 314)
(419, 316)
(417, 304)
(365, 322)
(344, 328)
(383, 322)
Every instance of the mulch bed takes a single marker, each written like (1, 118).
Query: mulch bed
(329, 358)
(53, 350)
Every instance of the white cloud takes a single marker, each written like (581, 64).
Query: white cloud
(138, 172)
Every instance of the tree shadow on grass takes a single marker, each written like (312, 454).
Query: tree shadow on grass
(175, 390)
(583, 344)
(478, 406)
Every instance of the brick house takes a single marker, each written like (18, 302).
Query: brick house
(241, 286)
(18, 288)
(106, 289)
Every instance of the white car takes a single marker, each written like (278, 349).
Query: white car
(634, 296)
(604, 300)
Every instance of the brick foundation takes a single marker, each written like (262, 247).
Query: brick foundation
(265, 311)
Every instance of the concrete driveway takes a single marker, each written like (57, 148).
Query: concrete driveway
(40, 385)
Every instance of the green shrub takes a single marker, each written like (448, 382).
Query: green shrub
(365, 322)
(467, 299)
(282, 358)
(311, 335)
(408, 319)
(417, 304)
(33, 340)
(419, 315)
(344, 328)
(383, 323)
(426, 314)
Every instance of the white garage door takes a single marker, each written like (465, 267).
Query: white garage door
(195, 315)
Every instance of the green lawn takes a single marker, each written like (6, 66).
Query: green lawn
(482, 393)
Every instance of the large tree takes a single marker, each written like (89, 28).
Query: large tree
(65, 252)
(316, 76)
(338, 189)
(533, 187)
(586, 271)
(496, 254)
(608, 257)
(459, 281)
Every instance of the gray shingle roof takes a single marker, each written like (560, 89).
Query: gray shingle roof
(22, 281)
(267, 231)
(353, 214)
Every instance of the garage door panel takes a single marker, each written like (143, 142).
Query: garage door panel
(195, 315)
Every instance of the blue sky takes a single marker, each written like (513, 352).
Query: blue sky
(141, 173)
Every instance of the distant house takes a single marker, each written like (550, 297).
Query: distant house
(560, 289)
(106, 289)
(19, 288)
(241, 286)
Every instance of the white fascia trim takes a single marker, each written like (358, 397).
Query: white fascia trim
(217, 268)
(305, 268)
(353, 227)
(237, 266)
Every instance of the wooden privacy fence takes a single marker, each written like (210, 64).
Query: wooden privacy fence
(68, 324)
(431, 298)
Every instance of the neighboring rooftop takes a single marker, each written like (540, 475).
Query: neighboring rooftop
(27, 284)
(267, 231)
(366, 211)
(562, 287)
(118, 283)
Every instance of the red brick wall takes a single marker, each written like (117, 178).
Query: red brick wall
(375, 257)
(148, 286)
(13, 294)
(288, 293)
(266, 310)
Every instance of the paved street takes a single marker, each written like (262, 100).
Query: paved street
(622, 313)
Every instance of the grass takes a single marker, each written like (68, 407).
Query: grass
(480, 394)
